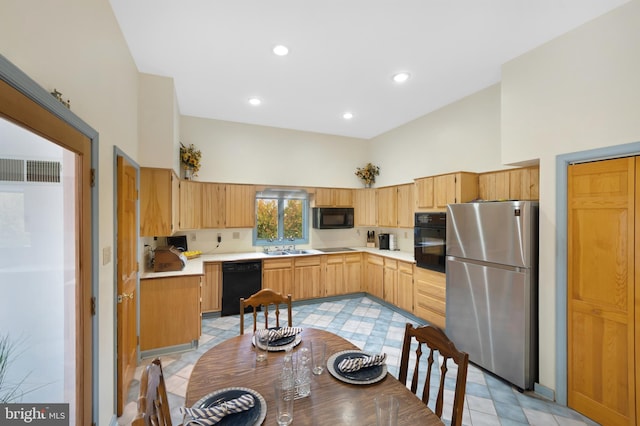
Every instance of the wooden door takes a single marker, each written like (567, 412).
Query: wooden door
(600, 311)
(127, 278)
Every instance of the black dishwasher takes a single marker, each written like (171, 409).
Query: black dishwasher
(239, 279)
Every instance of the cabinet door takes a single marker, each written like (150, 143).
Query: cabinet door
(387, 206)
(190, 204)
(444, 190)
(406, 203)
(334, 275)
(429, 293)
(405, 286)
(323, 197)
(277, 275)
(240, 206)
(352, 273)
(390, 281)
(306, 280)
(212, 287)
(523, 183)
(365, 207)
(343, 197)
(156, 202)
(375, 276)
(494, 185)
(212, 205)
(424, 192)
(169, 311)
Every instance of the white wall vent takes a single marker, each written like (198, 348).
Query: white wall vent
(17, 170)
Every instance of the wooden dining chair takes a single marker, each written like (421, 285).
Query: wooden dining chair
(153, 404)
(264, 298)
(435, 340)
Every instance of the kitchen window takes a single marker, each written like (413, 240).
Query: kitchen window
(281, 218)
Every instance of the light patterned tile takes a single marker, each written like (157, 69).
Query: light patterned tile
(540, 418)
(483, 405)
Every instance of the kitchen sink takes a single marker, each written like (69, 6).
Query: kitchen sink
(277, 253)
(297, 251)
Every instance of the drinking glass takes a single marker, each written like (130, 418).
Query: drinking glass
(318, 352)
(284, 394)
(386, 410)
(261, 343)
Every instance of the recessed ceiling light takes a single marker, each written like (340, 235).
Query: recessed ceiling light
(347, 115)
(281, 50)
(255, 101)
(401, 77)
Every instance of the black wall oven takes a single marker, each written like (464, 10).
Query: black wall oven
(429, 240)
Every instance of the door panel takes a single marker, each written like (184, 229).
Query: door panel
(600, 357)
(127, 277)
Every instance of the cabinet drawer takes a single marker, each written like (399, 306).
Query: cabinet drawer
(352, 258)
(405, 267)
(307, 261)
(333, 259)
(277, 264)
(431, 290)
(376, 260)
(390, 263)
(430, 303)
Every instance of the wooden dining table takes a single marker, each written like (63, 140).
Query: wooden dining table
(332, 402)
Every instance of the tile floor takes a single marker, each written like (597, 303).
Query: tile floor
(376, 328)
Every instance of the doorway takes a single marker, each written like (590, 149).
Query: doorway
(47, 237)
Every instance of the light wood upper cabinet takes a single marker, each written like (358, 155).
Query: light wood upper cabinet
(190, 204)
(454, 188)
(334, 197)
(424, 192)
(406, 205)
(387, 202)
(213, 205)
(212, 287)
(240, 206)
(365, 210)
(513, 184)
(158, 202)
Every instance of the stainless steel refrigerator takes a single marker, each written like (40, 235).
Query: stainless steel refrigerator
(492, 286)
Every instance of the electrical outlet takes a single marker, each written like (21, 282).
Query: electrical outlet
(219, 237)
(236, 235)
(106, 255)
(193, 237)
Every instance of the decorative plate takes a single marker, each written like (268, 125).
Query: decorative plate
(364, 376)
(252, 417)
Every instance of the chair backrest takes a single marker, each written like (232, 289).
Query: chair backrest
(264, 298)
(435, 340)
(153, 404)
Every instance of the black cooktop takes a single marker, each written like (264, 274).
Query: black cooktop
(335, 249)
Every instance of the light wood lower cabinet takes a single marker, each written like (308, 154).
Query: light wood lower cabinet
(306, 278)
(375, 275)
(430, 296)
(277, 274)
(342, 273)
(212, 287)
(390, 281)
(405, 286)
(169, 311)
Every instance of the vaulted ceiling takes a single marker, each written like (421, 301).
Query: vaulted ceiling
(342, 54)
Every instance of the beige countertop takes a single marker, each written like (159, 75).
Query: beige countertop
(194, 266)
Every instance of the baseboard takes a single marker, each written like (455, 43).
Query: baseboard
(544, 392)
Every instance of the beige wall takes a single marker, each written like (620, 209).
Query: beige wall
(578, 92)
(76, 47)
(462, 136)
(246, 153)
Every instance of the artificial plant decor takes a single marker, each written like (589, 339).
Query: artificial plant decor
(190, 158)
(368, 173)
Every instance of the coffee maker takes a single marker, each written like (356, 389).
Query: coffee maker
(383, 240)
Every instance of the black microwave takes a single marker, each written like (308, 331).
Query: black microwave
(332, 217)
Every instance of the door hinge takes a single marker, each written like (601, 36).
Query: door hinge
(93, 306)
(137, 340)
(137, 267)
(92, 180)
